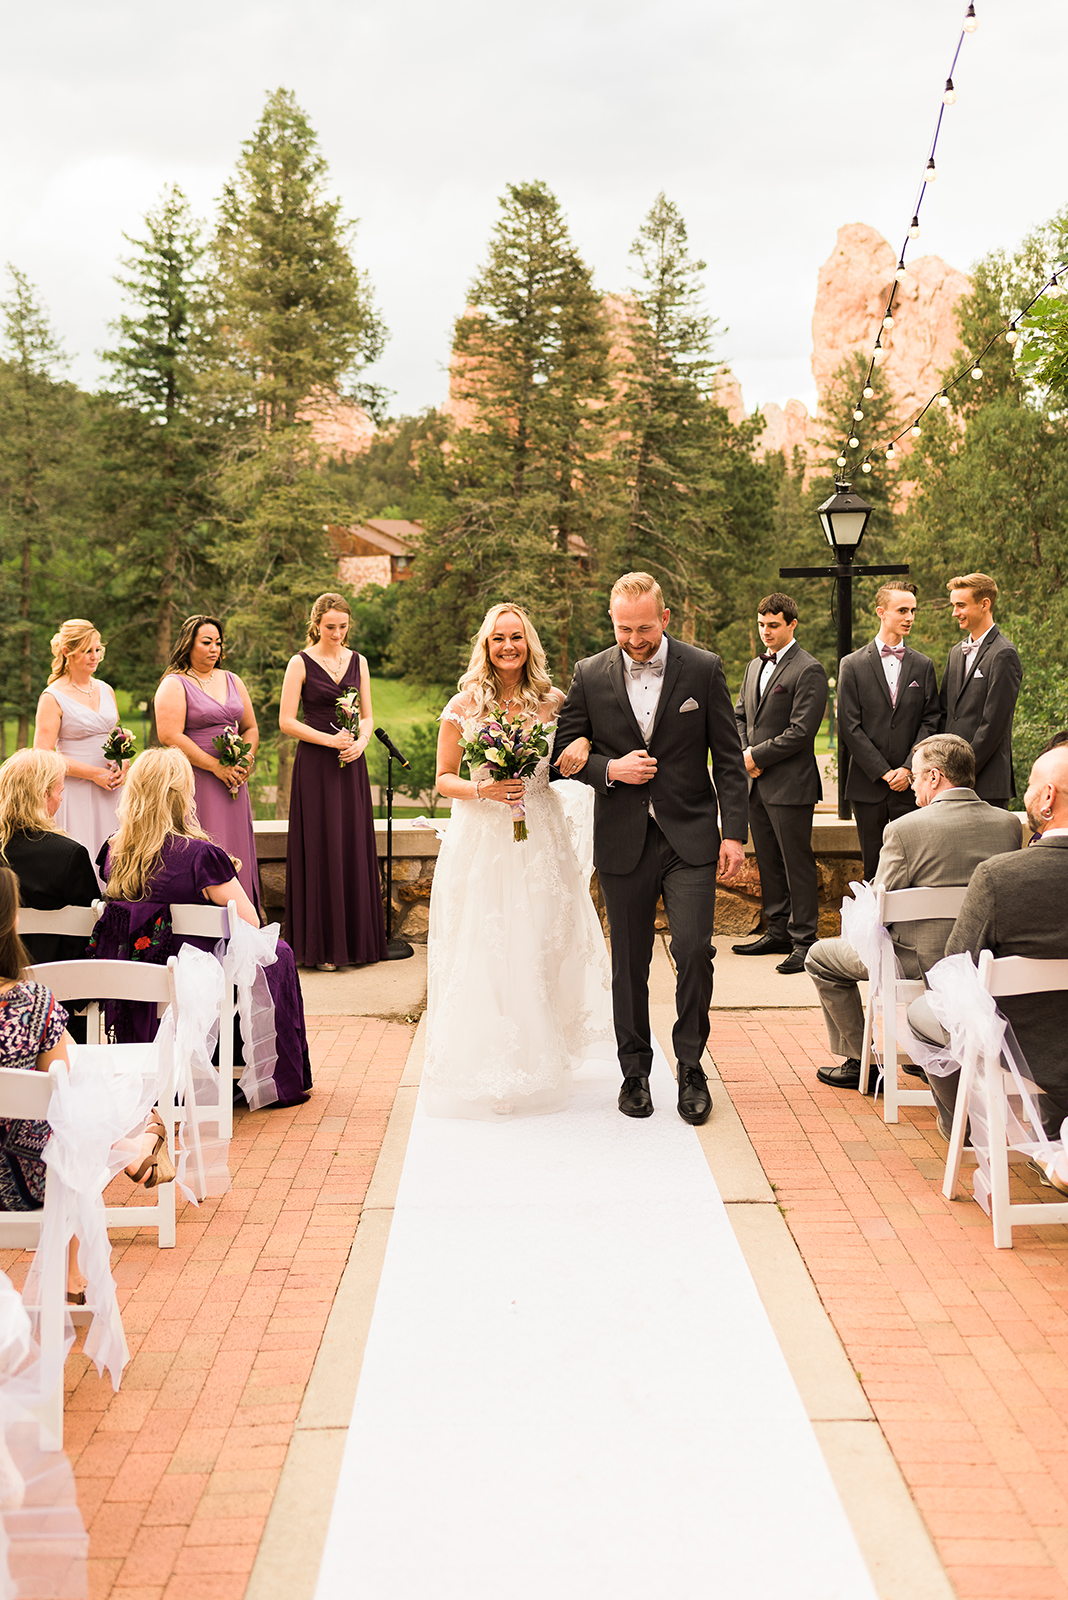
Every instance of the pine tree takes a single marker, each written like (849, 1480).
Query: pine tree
(294, 323)
(38, 421)
(527, 473)
(158, 449)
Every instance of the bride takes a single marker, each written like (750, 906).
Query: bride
(519, 987)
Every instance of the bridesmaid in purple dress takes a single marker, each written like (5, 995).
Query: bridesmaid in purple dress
(196, 702)
(334, 912)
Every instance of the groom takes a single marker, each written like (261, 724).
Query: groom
(653, 709)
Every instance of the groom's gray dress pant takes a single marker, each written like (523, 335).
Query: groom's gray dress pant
(690, 901)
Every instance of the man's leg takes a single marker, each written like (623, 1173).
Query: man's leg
(836, 970)
(690, 902)
(630, 900)
(871, 817)
(793, 834)
(774, 888)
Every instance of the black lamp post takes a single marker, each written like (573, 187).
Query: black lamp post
(844, 518)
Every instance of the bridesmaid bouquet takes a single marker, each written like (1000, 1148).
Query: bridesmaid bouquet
(510, 750)
(348, 715)
(232, 750)
(120, 745)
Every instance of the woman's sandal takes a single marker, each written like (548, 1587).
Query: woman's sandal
(156, 1166)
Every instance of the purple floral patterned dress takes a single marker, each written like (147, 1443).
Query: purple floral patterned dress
(31, 1021)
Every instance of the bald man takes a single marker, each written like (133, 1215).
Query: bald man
(1015, 907)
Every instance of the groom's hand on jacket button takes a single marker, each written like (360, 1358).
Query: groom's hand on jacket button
(638, 766)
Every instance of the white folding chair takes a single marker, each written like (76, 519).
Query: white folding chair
(1000, 976)
(126, 980)
(214, 922)
(76, 921)
(27, 1094)
(896, 906)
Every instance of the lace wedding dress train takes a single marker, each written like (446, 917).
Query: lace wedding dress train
(519, 988)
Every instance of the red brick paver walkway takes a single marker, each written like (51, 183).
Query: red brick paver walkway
(962, 1349)
(176, 1472)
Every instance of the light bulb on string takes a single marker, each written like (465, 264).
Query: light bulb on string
(915, 430)
(943, 398)
(900, 273)
(854, 444)
(1011, 335)
(878, 353)
(888, 321)
(950, 95)
(841, 461)
(865, 466)
(971, 21)
(977, 371)
(858, 415)
(914, 227)
(1054, 291)
(930, 172)
(891, 453)
(869, 393)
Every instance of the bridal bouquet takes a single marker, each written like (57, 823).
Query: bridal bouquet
(233, 751)
(348, 716)
(510, 750)
(119, 745)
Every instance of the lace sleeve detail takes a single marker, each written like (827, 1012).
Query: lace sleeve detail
(456, 711)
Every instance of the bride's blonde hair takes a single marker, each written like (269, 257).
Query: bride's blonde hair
(157, 804)
(74, 635)
(480, 681)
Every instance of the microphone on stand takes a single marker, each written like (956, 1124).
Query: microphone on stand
(380, 733)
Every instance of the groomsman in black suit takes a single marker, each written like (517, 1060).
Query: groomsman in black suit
(979, 689)
(779, 711)
(887, 703)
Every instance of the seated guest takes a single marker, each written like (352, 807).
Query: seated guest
(53, 871)
(159, 857)
(1015, 907)
(937, 846)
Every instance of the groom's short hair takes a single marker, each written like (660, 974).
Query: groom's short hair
(773, 604)
(634, 585)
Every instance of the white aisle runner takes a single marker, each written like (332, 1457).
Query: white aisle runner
(571, 1388)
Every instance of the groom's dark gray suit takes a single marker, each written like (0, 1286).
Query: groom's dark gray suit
(637, 856)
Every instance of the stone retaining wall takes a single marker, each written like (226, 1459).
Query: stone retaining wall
(415, 853)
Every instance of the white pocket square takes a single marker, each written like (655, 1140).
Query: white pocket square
(689, 705)
(977, 673)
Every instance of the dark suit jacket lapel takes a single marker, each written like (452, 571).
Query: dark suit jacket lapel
(955, 674)
(672, 668)
(992, 634)
(875, 664)
(780, 667)
(617, 676)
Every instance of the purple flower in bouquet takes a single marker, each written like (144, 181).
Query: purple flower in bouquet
(119, 745)
(510, 749)
(233, 751)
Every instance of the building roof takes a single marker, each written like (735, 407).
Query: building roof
(392, 535)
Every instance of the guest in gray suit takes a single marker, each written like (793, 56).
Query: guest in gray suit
(887, 704)
(1015, 907)
(779, 710)
(938, 846)
(980, 686)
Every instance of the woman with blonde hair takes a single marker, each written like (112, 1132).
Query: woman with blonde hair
(333, 889)
(53, 871)
(197, 702)
(75, 714)
(519, 987)
(160, 856)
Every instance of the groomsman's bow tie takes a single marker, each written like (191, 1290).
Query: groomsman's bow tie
(969, 645)
(769, 656)
(636, 668)
(897, 650)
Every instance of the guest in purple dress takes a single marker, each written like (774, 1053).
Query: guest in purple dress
(333, 889)
(196, 702)
(158, 858)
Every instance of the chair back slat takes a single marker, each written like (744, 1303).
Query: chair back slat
(200, 922)
(76, 921)
(1008, 975)
(106, 980)
(24, 1094)
(920, 905)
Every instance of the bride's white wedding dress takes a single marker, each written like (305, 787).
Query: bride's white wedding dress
(519, 986)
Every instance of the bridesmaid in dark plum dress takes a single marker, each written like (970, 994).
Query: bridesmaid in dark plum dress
(334, 912)
(196, 702)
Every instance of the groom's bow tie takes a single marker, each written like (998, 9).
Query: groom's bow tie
(897, 650)
(636, 668)
(769, 656)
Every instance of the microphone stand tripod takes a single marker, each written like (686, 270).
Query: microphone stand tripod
(396, 949)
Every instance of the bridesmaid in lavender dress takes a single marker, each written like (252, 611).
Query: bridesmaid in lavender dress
(196, 702)
(75, 714)
(333, 889)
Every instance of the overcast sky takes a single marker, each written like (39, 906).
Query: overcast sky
(770, 124)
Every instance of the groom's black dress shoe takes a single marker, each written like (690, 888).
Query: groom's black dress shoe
(695, 1102)
(766, 945)
(845, 1076)
(635, 1099)
(795, 961)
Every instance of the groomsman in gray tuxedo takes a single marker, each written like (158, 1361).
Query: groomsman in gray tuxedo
(980, 687)
(887, 703)
(779, 711)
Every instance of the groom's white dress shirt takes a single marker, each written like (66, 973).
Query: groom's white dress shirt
(644, 686)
